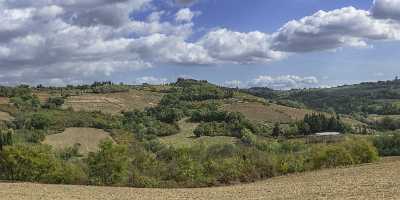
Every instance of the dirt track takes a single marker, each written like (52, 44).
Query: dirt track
(373, 181)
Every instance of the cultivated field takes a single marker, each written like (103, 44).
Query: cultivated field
(115, 102)
(270, 113)
(87, 138)
(372, 181)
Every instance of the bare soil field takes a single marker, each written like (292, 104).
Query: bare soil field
(114, 103)
(88, 138)
(366, 182)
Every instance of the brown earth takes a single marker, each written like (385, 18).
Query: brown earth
(372, 181)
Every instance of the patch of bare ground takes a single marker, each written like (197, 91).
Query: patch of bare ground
(366, 182)
(87, 138)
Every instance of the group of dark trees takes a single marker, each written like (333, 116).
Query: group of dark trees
(6, 138)
(316, 123)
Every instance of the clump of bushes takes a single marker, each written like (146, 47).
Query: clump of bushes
(388, 144)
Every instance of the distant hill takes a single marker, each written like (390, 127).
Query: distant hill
(381, 97)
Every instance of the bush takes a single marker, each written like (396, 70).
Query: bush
(211, 129)
(37, 163)
(109, 165)
(331, 156)
(388, 144)
(351, 151)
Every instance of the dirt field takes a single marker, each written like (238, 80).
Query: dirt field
(114, 103)
(88, 138)
(372, 181)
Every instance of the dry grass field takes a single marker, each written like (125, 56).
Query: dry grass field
(88, 138)
(367, 182)
(114, 103)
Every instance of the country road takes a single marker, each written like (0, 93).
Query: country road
(372, 181)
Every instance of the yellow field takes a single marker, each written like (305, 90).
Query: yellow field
(88, 138)
(367, 182)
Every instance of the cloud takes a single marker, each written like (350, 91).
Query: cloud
(386, 9)
(233, 84)
(69, 40)
(235, 47)
(186, 2)
(284, 82)
(185, 15)
(334, 29)
(151, 80)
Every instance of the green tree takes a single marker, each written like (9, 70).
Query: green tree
(276, 132)
(109, 165)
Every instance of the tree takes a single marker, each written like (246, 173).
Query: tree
(276, 132)
(109, 165)
(6, 138)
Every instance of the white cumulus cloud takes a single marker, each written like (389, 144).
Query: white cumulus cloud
(284, 82)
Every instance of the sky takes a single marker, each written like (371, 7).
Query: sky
(259, 43)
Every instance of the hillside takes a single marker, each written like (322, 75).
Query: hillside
(366, 182)
(381, 97)
(186, 134)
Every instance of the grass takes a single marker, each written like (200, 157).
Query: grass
(88, 138)
(368, 182)
(114, 103)
(186, 138)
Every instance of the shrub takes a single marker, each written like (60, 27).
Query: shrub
(109, 165)
(34, 163)
(361, 150)
(331, 156)
(388, 144)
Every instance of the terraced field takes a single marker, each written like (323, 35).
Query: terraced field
(372, 181)
(115, 102)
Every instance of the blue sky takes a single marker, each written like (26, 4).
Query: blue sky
(280, 44)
